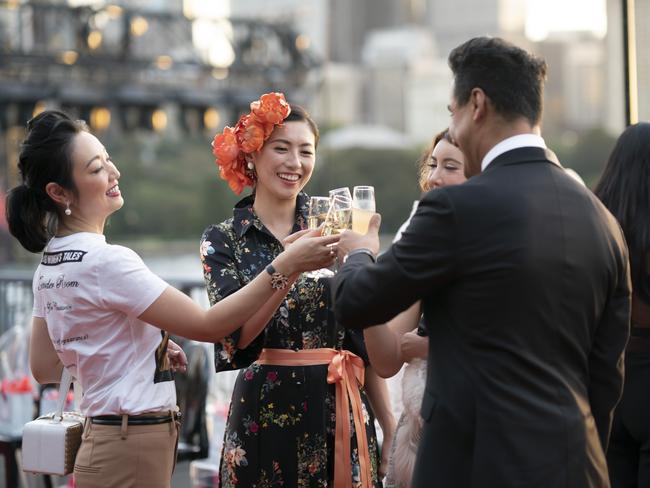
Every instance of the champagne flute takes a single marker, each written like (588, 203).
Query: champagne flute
(318, 208)
(363, 208)
(342, 192)
(317, 213)
(338, 216)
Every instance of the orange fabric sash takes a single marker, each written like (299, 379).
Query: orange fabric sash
(346, 370)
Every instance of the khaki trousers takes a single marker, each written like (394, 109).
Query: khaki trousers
(126, 456)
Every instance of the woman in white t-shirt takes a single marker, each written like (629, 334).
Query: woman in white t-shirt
(101, 313)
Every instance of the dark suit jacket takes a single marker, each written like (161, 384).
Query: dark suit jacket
(524, 281)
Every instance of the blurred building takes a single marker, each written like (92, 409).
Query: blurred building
(408, 84)
(116, 66)
(387, 62)
(455, 22)
(575, 92)
(340, 95)
(309, 17)
(350, 22)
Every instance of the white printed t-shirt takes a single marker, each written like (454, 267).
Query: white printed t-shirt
(90, 293)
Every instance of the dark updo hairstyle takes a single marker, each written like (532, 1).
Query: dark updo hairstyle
(624, 188)
(299, 114)
(45, 157)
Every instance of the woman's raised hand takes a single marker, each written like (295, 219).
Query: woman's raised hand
(414, 346)
(306, 250)
(177, 357)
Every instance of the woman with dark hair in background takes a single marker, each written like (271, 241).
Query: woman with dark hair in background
(289, 423)
(624, 188)
(103, 315)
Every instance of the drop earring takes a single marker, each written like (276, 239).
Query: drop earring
(67, 211)
(250, 170)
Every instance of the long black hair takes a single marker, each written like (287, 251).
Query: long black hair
(624, 188)
(45, 157)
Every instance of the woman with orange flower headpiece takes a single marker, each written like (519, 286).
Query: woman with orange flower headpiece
(299, 415)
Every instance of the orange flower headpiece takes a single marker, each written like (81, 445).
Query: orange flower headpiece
(248, 136)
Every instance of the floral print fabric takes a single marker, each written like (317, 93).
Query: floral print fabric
(281, 424)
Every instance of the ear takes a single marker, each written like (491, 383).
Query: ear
(479, 103)
(57, 193)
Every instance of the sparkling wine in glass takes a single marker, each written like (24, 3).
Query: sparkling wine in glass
(344, 194)
(363, 208)
(338, 216)
(318, 207)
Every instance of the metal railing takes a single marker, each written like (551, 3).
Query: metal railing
(16, 299)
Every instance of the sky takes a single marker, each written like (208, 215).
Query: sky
(545, 16)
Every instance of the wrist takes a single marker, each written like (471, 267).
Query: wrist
(283, 265)
(361, 250)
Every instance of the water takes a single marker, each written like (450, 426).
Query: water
(179, 268)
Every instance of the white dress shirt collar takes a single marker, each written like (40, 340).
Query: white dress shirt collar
(514, 142)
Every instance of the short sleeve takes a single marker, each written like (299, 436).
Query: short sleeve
(222, 279)
(126, 283)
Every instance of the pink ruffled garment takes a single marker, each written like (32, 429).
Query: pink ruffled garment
(409, 427)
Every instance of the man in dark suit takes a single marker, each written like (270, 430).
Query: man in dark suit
(524, 282)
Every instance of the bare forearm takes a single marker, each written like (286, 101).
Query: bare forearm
(383, 341)
(377, 390)
(178, 314)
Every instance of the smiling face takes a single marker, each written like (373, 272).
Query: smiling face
(95, 178)
(285, 163)
(446, 166)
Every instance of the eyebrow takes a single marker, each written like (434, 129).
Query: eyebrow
(286, 141)
(451, 159)
(445, 160)
(91, 160)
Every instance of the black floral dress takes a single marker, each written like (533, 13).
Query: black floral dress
(281, 424)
